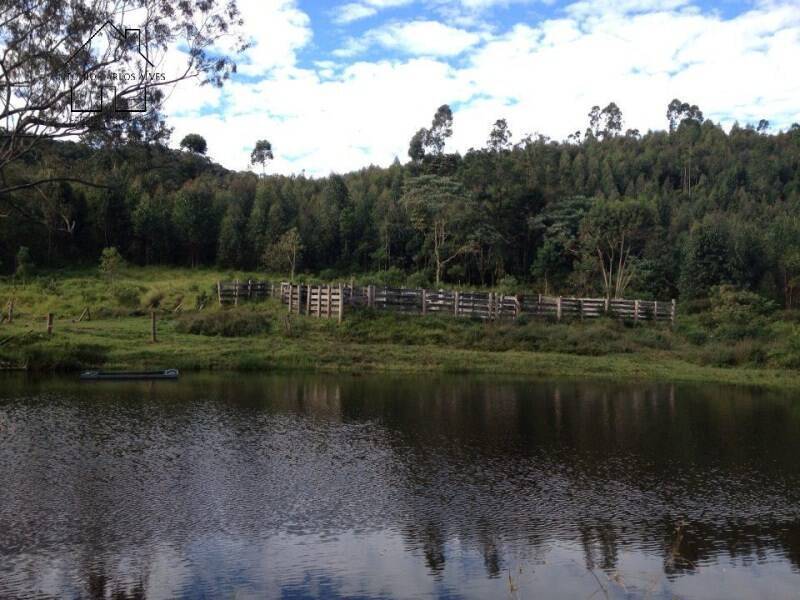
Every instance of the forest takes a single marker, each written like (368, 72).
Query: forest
(608, 211)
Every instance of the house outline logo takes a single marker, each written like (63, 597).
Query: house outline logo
(121, 36)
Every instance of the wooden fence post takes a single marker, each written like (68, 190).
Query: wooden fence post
(153, 337)
(219, 292)
(490, 306)
(558, 308)
(308, 299)
(635, 311)
(371, 296)
(290, 297)
(49, 323)
(580, 305)
(655, 310)
(455, 303)
(341, 302)
(539, 305)
(517, 307)
(236, 292)
(672, 312)
(605, 304)
(328, 301)
(424, 301)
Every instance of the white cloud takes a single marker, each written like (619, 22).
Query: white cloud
(417, 38)
(277, 29)
(347, 13)
(335, 116)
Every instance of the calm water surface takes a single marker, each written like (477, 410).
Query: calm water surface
(235, 486)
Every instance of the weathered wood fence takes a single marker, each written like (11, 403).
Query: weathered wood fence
(332, 301)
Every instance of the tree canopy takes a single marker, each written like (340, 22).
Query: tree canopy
(686, 209)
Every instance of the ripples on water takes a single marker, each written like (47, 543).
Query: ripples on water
(292, 486)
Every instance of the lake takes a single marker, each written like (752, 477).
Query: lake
(296, 486)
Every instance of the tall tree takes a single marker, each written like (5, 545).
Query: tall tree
(261, 155)
(614, 233)
(438, 206)
(194, 142)
(499, 137)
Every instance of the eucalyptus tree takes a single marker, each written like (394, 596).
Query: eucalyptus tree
(261, 155)
(439, 207)
(194, 142)
(614, 233)
(52, 51)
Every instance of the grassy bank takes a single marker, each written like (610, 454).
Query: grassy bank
(263, 336)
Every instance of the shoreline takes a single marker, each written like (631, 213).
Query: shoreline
(110, 345)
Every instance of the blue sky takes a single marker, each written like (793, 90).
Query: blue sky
(337, 86)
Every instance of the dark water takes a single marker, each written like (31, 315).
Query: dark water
(305, 486)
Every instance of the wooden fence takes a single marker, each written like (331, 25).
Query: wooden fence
(332, 301)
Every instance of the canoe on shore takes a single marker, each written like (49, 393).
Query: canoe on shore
(129, 375)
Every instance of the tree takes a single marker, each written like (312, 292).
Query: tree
(47, 63)
(678, 111)
(261, 155)
(231, 250)
(441, 129)
(24, 263)
(416, 148)
(604, 123)
(784, 244)
(193, 215)
(706, 260)
(194, 142)
(614, 232)
(111, 262)
(437, 206)
(499, 137)
(285, 252)
(557, 228)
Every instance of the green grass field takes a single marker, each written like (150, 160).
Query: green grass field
(263, 337)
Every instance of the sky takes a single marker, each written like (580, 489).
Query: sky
(340, 85)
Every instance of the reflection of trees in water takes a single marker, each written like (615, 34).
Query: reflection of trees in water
(504, 469)
(598, 449)
(599, 542)
(98, 585)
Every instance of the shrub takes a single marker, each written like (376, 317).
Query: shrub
(111, 262)
(226, 323)
(739, 314)
(392, 277)
(65, 357)
(328, 275)
(127, 295)
(420, 279)
(153, 298)
(508, 285)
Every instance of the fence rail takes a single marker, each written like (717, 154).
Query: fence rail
(332, 301)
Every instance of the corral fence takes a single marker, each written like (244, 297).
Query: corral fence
(332, 301)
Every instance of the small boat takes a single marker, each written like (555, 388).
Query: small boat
(129, 375)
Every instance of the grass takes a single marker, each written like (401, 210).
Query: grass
(264, 337)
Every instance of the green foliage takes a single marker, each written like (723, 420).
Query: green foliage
(700, 206)
(111, 262)
(706, 261)
(738, 314)
(194, 142)
(24, 263)
(127, 296)
(239, 322)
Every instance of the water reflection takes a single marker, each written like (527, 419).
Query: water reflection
(293, 486)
